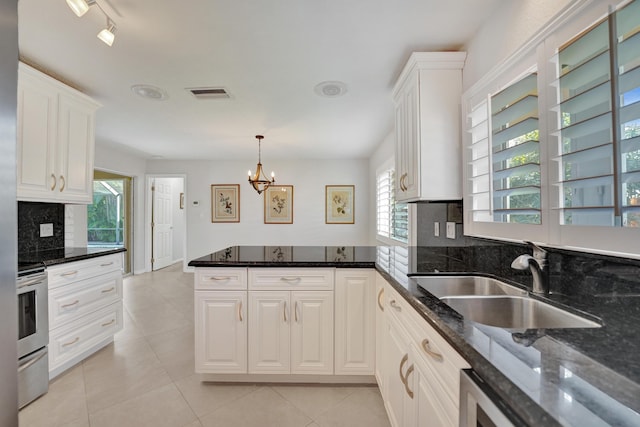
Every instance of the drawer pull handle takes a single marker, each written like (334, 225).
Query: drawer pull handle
(69, 273)
(219, 279)
(63, 183)
(106, 264)
(295, 311)
(111, 322)
(427, 349)
(284, 311)
(290, 279)
(104, 291)
(406, 382)
(240, 311)
(71, 342)
(393, 304)
(55, 181)
(380, 298)
(402, 362)
(70, 304)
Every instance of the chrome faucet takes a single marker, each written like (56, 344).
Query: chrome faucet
(538, 266)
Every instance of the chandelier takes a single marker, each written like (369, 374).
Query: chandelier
(259, 181)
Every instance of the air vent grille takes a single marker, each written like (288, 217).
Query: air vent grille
(209, 92)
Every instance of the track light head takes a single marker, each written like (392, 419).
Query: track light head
(80, 7)
(108, 35)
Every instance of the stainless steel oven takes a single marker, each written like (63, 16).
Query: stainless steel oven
(33, 334)
(480, 406)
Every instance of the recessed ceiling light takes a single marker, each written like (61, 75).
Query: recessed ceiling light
(150, 92)
(331, 89)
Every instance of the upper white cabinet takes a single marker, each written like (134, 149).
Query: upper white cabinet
(55, 140)
(428, 127)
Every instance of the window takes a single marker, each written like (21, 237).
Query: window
(392, 217)
(552, 151)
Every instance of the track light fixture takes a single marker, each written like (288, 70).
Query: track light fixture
(108, 35)
(80, 7)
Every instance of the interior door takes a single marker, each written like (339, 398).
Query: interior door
(162, 223)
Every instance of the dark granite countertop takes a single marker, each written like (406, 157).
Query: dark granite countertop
(51, 257)
(551, 377)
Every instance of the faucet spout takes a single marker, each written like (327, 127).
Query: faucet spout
(537, 265)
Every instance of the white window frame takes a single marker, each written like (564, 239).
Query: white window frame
(573, 20)
(390, 239)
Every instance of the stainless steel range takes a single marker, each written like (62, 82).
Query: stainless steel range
(33, 334)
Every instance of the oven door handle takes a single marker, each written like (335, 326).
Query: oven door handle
(33, 361)
(32, 282)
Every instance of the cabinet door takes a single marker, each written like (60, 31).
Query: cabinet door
(355, 322)
(427, 409)
(37, 127)
(75, 149)
(408, 142)
(269, 332)
(381, 333)
(396, 365)
(221, 331)
(312, 332)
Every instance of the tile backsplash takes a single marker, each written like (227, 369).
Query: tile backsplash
(30, 216)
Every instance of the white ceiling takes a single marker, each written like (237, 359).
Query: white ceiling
(269, 54)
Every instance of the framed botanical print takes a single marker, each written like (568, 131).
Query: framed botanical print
(225, 203)
(339, 207)
(278, 204)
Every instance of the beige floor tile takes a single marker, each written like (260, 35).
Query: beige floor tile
(313, 401)
(174, 349)
(363, 408)
(63, 405)
(163, 407)
(159, 318)
(204, 398)
(196, 423)
(264, 407)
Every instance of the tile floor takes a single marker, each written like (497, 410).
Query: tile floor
(146, 378)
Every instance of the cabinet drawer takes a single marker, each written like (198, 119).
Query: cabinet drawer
(71, 340)
(221, 279)
(67, 303)
(60, 275)
(304, 279)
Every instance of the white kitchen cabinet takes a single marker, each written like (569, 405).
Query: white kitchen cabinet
(381, 333)
(221, 331)
(85, 309)
(55, 151)
(421, 370)
(428, 137)
(355, 317)
(291, 321)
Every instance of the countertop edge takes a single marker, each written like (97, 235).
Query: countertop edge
(58, 261)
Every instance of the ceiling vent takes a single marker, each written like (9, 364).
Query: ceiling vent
(209, 92)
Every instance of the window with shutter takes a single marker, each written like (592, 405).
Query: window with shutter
(392, 217)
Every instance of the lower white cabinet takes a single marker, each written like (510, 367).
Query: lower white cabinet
(355, 294)
(221, 331)
(381, 333)
(420, 370)
(85, 309)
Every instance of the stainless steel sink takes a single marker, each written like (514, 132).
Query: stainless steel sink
(515, 312)
(443, 286)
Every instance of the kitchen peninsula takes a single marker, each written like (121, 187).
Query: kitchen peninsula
(544, 377)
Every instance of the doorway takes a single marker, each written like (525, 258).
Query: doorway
(166, 220)
(109, 218)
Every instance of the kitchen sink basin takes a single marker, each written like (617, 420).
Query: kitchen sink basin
(515, 312)
(443, 286)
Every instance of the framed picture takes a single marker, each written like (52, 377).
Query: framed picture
(278, 253)
(339, 254)
(278, 205)
(181, 200)
(339, 208)
(225, 203)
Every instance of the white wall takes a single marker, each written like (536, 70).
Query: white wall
(125, 163)
(512, 24)
(308, 177)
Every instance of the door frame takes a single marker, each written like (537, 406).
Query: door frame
(147, 219)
